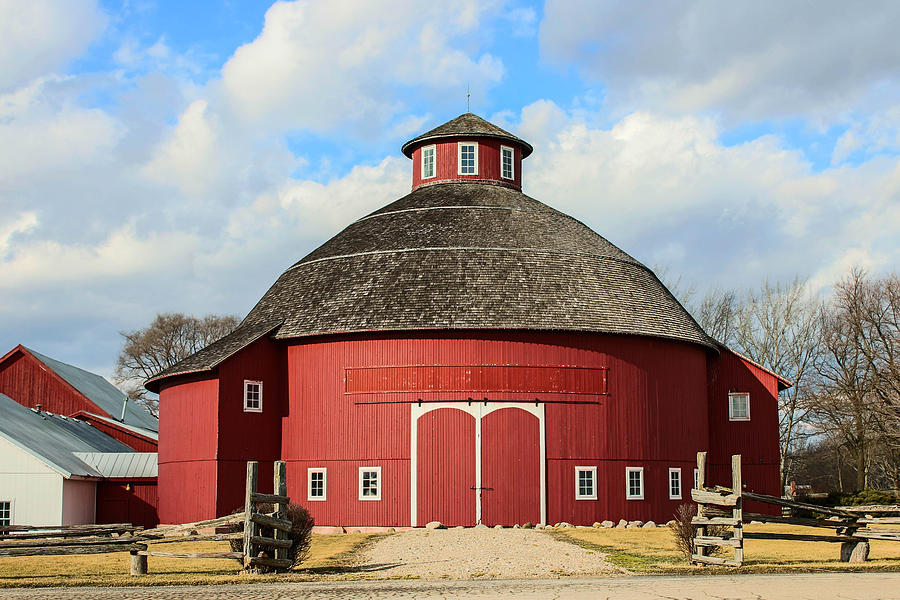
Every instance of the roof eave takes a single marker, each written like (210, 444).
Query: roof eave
(409, 147)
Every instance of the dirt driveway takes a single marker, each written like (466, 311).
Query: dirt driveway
(480, 553)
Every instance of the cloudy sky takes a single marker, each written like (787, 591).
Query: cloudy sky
(177, 156)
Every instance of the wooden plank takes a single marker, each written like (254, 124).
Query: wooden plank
(278, 563)
(873, 509)
(269, 498)
(737, 513)
(881, 520)
(279, 486)
(272, 542)
(714, 521)
(878, 534)
(87, 527)
(713, 560)
(707, 497)
(249, 508)
(216, 537)
(168, 530)
(267, 521)
(110, 534)
(824, 523)
(702, 511)
(86, 541)
(825, 510)
(798, 537)
(230, 555)
(66, 550)
(716, 541)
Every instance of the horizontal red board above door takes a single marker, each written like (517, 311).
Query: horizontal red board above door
(476, 378)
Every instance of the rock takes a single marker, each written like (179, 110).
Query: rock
(517, 526)
(498, 526)
(622, 524)
(539, 526)
(854, 551)
(607, 524)
(528, 525)
(459, 527)
(563, 525)
(597, 524)
(670, 523)
(390, 530)
(435, 525)
(649, 525)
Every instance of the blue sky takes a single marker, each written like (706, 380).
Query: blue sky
(177, 156)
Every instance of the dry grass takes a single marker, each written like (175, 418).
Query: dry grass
(330, 555)
(653, 551)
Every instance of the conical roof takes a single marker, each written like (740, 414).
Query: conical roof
(468, 124)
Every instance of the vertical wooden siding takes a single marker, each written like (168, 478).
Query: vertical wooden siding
(138, 443)
(510, 467)
(446, 167)
(446, 487)
(30, 382)
(116, 504)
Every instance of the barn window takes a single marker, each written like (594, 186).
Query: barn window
(634, 483)
(5, 513)
(317, 483)
(506, 162)
(674, 484)
(253, 396)
(738, 406)
(370, 483)
(585, 483)
(468, 158)
(428, 162)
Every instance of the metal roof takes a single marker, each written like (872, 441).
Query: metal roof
(121, 464)
(101, 392)
(53, 439)
(149, 433)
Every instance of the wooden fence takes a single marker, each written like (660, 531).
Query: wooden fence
(258, 550)
(723, 506)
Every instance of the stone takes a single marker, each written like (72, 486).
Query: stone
(649, 525)
(854, 551)
(607, 524)
(597, 525)
(563, 525)
(498, 526)
(670, 523)
(539, 526)
(622, 524)
(435, 525)
(390, 530)
(528, 525)
(459, 527)
(631, 526)
(517, 526)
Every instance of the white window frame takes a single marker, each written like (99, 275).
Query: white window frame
(254, 409)
(12, 504)
(593, 472)
(673, 470)
(459, 146)
(512, 163)
(433, 149)
(731, 398)
(378, 479)
(696, 478)
(628, 472)
(309, 490)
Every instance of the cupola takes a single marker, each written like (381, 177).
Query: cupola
(467, 149)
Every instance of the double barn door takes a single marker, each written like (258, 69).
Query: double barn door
(478, 463)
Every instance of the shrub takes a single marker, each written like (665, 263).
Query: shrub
(684, 531)
(300, 533)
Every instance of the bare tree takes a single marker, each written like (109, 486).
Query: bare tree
(717, 313)
(170, 338)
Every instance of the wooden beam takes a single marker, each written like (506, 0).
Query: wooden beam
(707, 497)
(266, 521)
(85, 541)
(824, 523)
(168, 530)
(799, 537)
(269, 498)
(230, 555)
(274, 543)
(825, 510)
(713, 560)
(63, 550)
(279, 486)
(217, 537)
(714, 521)
(701, 510)
(278, 563)
(716, 541)
(249, 508)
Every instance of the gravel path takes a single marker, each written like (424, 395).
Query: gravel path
(480, 553)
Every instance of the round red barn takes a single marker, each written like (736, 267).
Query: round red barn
(465, 354)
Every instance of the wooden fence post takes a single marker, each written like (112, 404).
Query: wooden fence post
(701, 483)
(249, 509)
(279, 488)
(138, 563)
(737, 512)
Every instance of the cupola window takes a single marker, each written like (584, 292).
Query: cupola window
(506, 162)
(468, 158)
(428, 162)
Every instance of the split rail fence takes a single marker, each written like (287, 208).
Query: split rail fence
(723, 506)
(258, 550)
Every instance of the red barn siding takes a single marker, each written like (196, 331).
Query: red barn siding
(30, 382)
(116, 504)
(188, 430)
(446, 166)
(138, 443)
(446, 489)
(510, 467)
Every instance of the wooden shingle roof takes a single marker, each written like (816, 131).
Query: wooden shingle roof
(468, 124)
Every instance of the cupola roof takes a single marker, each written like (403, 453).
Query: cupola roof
(468, 124)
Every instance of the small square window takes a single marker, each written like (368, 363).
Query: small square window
(634, 483)
(506, 162)
(468, 158)
(253, 396)
(5, 513)
(370, 483)
(585, 483)
(738, 406)
(674, 484)
(317, 483)
(428, 154)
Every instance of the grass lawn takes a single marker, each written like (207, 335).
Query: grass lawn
(653, 551)
(329, 556)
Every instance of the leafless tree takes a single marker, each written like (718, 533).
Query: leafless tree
(167, 340)
(717, 312)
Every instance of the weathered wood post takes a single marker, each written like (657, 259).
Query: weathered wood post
(138, 562)
(737, 513)
(279, 487)
(701, 483)
(249, 509)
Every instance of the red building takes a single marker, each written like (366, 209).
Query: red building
(464, 354)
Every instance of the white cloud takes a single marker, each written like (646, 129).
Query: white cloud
(22, 223)
(746, 59)
(40, 36)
